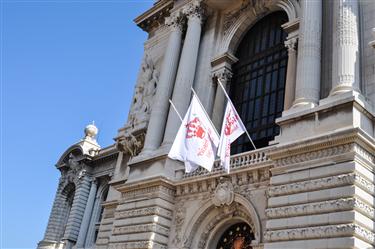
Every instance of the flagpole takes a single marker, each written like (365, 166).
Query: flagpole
(175, 109)
(208, 117)
(226, 95)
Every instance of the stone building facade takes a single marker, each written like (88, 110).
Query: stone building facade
(301, 74)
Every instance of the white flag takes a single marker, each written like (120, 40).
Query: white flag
(231, 129)
(196, 141)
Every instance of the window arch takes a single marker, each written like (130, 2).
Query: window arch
(257, 88)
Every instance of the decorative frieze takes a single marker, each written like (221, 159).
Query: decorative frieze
(320, 232)
(237, 179)
(137, 245)
(142, 228)
(322, 183)
(321, 207)
(148, 211)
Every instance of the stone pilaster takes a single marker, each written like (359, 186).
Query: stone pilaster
(159, 112)
(143, 217)
(55, 229)
(290, 84)
(345, 64)
(309, 54)
(224, 75)
(77, 211)
(186, 70)
(86, 216)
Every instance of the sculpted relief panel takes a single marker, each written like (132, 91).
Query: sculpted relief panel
(133, 134)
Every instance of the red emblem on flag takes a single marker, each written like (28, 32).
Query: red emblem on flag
(231, 123)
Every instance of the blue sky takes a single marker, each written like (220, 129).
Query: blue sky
(64, 64)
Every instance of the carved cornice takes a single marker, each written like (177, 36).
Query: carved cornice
(320, 232)
(321, 207)
(154, 17)
(350, 142)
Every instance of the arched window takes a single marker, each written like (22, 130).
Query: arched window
(257, 89)
(237, 236)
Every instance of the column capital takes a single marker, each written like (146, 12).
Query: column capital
(195, 10)
(291, 44)
(176, 21)
(224, 74)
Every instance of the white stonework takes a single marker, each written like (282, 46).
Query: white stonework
(313, 186)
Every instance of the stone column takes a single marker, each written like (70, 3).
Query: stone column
(309, 54)
(186, 70)
(345, 63)
(290, 84)
(77, 211)
(159, 112)
(225, 75)
(86, 216)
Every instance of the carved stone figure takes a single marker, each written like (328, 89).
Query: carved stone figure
(144, 93)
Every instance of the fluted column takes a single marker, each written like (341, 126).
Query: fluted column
(309, 54)
(86, 216)
(186, 70)
(225, 75)
(77, 211)
(159, 112)
(345, 67)
(290, 84)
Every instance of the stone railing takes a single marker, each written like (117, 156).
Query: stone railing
(239, 161)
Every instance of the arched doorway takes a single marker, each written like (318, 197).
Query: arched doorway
(237, 236)
(258, 85)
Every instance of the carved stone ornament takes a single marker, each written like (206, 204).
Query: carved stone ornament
(143, 96)
(132, 144)
(255, 6)
(224, 193)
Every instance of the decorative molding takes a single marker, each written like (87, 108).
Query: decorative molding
(321, 207)
(322, 183)
(313, 155)
(142, 228)
(154, 17)
(137, 245)
(244, 177)
(148, 211)
(257, 8)
(320, 232)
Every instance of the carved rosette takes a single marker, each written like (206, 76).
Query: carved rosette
(224, 193)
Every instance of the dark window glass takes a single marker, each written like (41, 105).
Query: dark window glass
(258, 84)
(238, 235)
